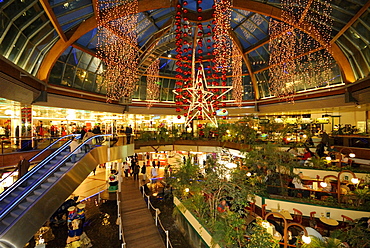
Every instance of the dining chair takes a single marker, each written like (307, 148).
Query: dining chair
(346, 221)
(263, 209)
(252, 207)
(312, 216)
(297, 216)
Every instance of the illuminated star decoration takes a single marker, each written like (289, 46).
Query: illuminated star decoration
(203, 99)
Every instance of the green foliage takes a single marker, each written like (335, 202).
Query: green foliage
(328, 243)
(362, 195)
(268, 159)
(318, 162)
(357, 236)
(205, 193)
(259, 237)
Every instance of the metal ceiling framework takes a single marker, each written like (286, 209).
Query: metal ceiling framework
(270, 9)
(247, 5)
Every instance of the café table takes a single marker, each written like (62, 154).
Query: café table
(283, 212)
(329, 223)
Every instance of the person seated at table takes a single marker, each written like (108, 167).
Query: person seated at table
(306, 154)
(297, 182)
(223, 206)
(332, 151)
(293, 150)
(345, 160)
(325, 191)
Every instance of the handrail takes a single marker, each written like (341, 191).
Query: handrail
(157, 219)
(7, 176)
(49, 146)
(32, 171)
(43, 178)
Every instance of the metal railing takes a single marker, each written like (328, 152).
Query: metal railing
(157, 219)
(121, 234)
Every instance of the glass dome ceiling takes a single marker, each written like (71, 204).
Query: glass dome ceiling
(56, 41)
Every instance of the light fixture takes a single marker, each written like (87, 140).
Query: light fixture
(328, 158)
(9, 112)
(187, 190)
(153, 83)
(117, 46)
(323, 184)
(352, 155)
(297, 60)
(249, 174)
(355, 180)
(306, 239)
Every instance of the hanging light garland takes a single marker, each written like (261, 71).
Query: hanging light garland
(223, 42)
(117, 46)
(293, 66)
(236, 67)
(152, 80)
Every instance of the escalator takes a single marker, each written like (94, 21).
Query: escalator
(44, 151)
(30, 201)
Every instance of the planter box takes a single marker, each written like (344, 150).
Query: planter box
(306, 208)
(198, 236)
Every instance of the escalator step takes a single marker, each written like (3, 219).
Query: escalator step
(52, 179)
(59, 173)
(8, 221)
(15, 213)
(15, 193)
(39, 191)
(64, 168)
(32, 198)
(46, 185)
(24, 205)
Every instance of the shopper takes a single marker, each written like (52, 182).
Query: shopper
(88, 144)
(74, 144)
(136, 171)
(23, 166)
(128, 134)
(126, 168)
(143, 171)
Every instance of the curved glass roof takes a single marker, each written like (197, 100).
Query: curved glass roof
(31, 30)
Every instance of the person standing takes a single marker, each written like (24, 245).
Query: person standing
(128, 134)
(154, 172)
(136, 170)
(17, 135)
(126, 168)
(143, 171)
(83, 132)
(88, 144)
(23, 166)
(325, 138)
(72, 147)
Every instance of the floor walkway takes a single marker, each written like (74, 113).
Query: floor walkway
(138, 224)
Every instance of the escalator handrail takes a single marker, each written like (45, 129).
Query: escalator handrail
(33, 171)
(49, 146)
(44, 178)
(11, 173)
